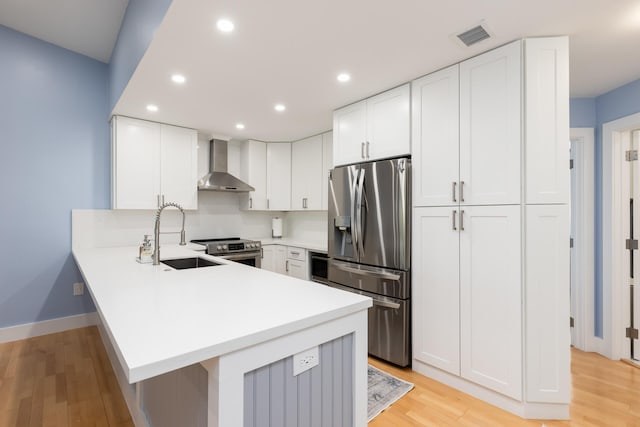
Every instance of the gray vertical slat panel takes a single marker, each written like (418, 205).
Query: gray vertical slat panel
(337, 383)
(304, 399)
(249, 404)
(347, 380)
(326, 357)
(316, 394)
(261, 397)
(276, 393)
(291, 395)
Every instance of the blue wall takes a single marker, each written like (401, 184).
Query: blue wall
(139, 24)
(54, 135)
(594, 112)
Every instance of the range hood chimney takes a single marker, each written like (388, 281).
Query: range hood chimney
(218, 179)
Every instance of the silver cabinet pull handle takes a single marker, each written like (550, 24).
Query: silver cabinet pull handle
(267, 203)
(362, 150)
(304, 203)
(163, 199)
(385, 304)
(367, 149)
(295, 253)
(158, 197)
(250, 202)
(461, 191)
(461, 220)
(453, 191)
(286, 266)
(453, 219)
(261, 252)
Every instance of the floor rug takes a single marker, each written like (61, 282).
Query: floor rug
(382, 390)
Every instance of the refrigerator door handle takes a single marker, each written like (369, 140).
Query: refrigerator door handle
(380, 274)
(354, 221)
(385, 304)
(359, 213)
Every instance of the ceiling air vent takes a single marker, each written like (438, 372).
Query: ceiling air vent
(474, 35)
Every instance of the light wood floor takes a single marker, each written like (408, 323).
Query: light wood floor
(65, 379)
(605, 393)
(60, 380)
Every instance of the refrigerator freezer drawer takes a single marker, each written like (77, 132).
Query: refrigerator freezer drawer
(388, 327)
(382, 281)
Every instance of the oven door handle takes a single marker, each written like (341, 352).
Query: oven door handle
(244, 255)
(383, 275)
(386, 304)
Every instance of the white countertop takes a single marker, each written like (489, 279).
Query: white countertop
(161, 320)
(300, 243)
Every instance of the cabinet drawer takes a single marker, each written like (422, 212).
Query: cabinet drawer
(296, 253)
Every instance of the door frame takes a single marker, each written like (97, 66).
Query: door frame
(582, 142)
(612, 234)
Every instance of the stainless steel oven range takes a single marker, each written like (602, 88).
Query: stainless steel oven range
(248, 252)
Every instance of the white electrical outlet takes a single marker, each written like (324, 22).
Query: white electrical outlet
(78, 288)
(305, 360)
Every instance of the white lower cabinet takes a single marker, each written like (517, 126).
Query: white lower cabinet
(547, 304)
(490, 298)
(466, 293)
(273, 258)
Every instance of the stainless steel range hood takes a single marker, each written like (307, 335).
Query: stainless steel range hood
(218, 179)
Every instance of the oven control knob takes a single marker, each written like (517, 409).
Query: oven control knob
(252, 245)
(224, 247)
(219, 247)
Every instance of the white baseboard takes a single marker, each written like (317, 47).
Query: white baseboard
(30, 330)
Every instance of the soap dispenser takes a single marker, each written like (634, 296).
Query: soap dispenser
(146, 251)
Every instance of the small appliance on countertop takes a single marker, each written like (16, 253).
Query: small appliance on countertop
(248, 252)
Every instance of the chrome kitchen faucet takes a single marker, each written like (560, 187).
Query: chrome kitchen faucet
(156, 242)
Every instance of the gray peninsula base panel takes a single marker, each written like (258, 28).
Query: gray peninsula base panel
(319, 397)
(273, 396)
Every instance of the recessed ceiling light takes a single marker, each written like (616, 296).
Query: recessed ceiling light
(225, 25)
(344, 77)
(152, 107)
(178, 78)
(280, 107)
(239, 126)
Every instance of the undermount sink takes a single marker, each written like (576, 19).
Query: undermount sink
(184, 263)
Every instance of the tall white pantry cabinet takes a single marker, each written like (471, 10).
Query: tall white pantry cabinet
(490, 149)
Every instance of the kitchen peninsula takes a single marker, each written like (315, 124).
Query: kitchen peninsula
(193, 346)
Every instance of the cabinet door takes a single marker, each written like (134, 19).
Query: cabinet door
(179, 166)
(279, 176)
(327, 165)
(435, 146)
(268, 261)
(253, 168)
(136, 164)
(547, 118)
(490, 298)
(297, 268)
(547, 331)
(435, 288)
(280, 258)
(349, 134)
(388, 124)
(306, 174)
(490, 127)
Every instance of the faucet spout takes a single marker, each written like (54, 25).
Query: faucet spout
(156, 231)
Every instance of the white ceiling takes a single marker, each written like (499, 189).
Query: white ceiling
(290, 51)
(89, 27)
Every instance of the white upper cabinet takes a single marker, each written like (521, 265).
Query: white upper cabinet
(375, 128)
(279, 176)
(490, 127)
(435, 143)
(153, 163)
(327, 165)
(307, 173)
(253, 168)
(547, 117)
(349, 133)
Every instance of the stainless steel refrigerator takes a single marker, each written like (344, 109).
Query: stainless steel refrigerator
(369, 248)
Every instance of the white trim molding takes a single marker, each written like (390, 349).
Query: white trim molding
(612, 243)
(30, 330)
(583, 147)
